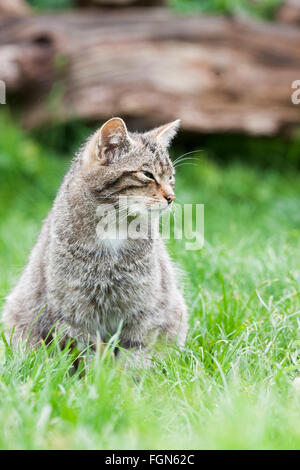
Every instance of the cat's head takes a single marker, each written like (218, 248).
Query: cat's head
(118, 163)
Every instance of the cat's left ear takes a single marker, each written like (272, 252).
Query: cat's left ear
(164, 134)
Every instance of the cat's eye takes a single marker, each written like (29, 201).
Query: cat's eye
(148, 175)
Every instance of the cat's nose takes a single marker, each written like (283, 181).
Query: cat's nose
(170, 197)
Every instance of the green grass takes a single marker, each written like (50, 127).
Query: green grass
(265, 9)
(51, 4)
(233, 385)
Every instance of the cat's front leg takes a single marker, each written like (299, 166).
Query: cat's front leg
(136, 341)
(135, 351)
(176, 325)
(138, 358)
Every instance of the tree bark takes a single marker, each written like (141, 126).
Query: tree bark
(153, 66)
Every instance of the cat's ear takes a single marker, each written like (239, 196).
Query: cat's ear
(112, 139)
(164, 134)
(107, 144)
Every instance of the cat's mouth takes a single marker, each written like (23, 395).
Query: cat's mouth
(137, 208)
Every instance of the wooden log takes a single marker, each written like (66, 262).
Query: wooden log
(119, 3)
(289, 12)
(153, 66)
(13, 8)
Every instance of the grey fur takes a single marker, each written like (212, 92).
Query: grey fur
(74, 281)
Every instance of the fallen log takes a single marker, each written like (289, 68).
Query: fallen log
(289, 12)
(151, 65)
(13, 8)
(119, 3)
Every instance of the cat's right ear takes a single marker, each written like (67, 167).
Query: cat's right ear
(108, 143)
(113, 139)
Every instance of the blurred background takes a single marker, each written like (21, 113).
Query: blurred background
(226, 69)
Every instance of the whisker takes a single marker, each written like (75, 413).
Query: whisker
(187, 153)
(188, 163)
(185, 159)
(196, 159)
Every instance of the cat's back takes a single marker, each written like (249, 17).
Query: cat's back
(28, 297)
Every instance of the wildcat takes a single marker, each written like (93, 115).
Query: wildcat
(85, 285)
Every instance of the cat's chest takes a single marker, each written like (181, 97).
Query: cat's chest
(115, 292)
(100, 288)
(112, 281)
